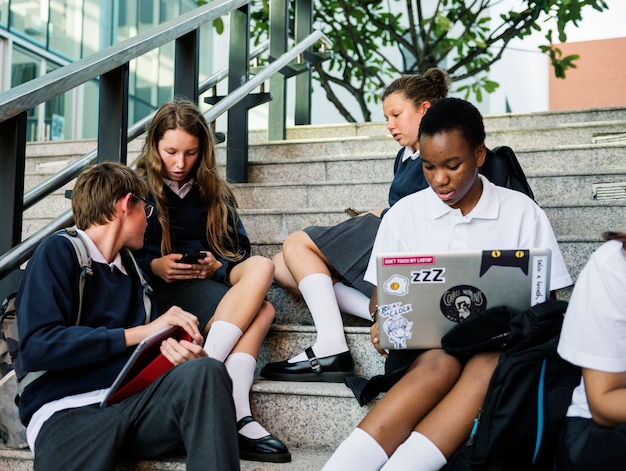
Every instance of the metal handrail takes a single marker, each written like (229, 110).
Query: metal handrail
(241, 92)
(21, 252)
(41, 89)
(56, 181)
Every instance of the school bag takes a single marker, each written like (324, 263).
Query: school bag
(529, 392)
(13, 379)
(502, 168)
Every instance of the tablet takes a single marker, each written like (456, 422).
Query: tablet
(144, 366)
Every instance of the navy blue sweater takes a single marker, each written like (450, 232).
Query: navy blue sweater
(188, 227)
(408, 177)
(78, 358)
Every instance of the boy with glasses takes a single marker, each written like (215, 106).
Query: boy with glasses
(188, 408)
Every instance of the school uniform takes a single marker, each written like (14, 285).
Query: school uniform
(347, 245)
(188, 215)
(592, 337)
(502, 219)
(190, 406)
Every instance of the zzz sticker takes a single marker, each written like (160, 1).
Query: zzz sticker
(429, 275)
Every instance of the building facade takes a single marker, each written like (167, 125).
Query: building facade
(38, 36)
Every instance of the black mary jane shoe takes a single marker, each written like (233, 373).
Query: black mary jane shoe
(268, 449)
(332, 369)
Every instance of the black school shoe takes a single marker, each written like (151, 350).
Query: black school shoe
(267, 449)
(331, 369)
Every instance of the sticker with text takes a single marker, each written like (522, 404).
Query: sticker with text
(396, 326)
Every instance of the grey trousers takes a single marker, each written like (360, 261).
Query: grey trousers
(189, 408)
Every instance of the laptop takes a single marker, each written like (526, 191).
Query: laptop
(143, 367)
(421, 296)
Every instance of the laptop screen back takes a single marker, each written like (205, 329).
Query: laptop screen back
(421, 296)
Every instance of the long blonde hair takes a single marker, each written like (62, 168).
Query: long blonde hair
(214, 191)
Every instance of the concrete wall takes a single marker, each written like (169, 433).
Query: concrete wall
(597, 81)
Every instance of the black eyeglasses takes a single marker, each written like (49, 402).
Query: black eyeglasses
(148, 207)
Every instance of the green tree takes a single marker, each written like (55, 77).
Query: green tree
(459, 33)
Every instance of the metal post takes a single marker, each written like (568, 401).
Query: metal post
(113, 115)
(303, 27)
(237, 134)
(186, 67)
(12, 167)
(279, 30)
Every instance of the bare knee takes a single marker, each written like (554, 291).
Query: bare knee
(261, 268)
(282, 275)
(266, 313)
(295, 243)
(481, 366)
(437, 367)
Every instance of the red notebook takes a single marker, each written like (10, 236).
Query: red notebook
(144, 366)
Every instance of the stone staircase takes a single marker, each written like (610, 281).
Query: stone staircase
(318, 171)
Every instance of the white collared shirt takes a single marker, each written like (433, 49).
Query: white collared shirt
(410, 153)
(502, 218)
(181, 191)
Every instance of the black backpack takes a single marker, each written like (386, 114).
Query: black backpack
(529, 393)
(502, 168)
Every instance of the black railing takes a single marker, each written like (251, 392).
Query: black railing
(110, 66)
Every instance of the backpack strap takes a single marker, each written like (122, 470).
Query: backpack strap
(84, 260)
(146, 288)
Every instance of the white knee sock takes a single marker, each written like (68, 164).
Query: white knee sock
(359, 451)
(240, 367)
(352, 301)
(417, 453)
(319, 295)
(222, 338)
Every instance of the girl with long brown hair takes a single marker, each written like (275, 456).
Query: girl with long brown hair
(222, 284)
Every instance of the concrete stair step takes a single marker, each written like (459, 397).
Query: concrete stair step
(573, 221)
(586, 159)
(548, 189)
(324, 181)
(563, 120)
(302, 460)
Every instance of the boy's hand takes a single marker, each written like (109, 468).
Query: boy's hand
(170, 269)
(180, 352)
(173, 316)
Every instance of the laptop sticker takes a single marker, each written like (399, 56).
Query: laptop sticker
(397, 285)
(505, 258)
(396, 326)
(460, 302)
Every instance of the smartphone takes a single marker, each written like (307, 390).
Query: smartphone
(192, 257)
(352, 211)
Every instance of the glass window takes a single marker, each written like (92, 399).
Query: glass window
(4, 13)
(25, 67)
(66, 27)
(30, 18)
(56, 121)
(97, 27)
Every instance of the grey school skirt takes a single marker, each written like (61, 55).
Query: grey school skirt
(199, 297)
(348, 246)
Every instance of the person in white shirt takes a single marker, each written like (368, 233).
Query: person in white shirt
(593, 337)
(432, 397)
